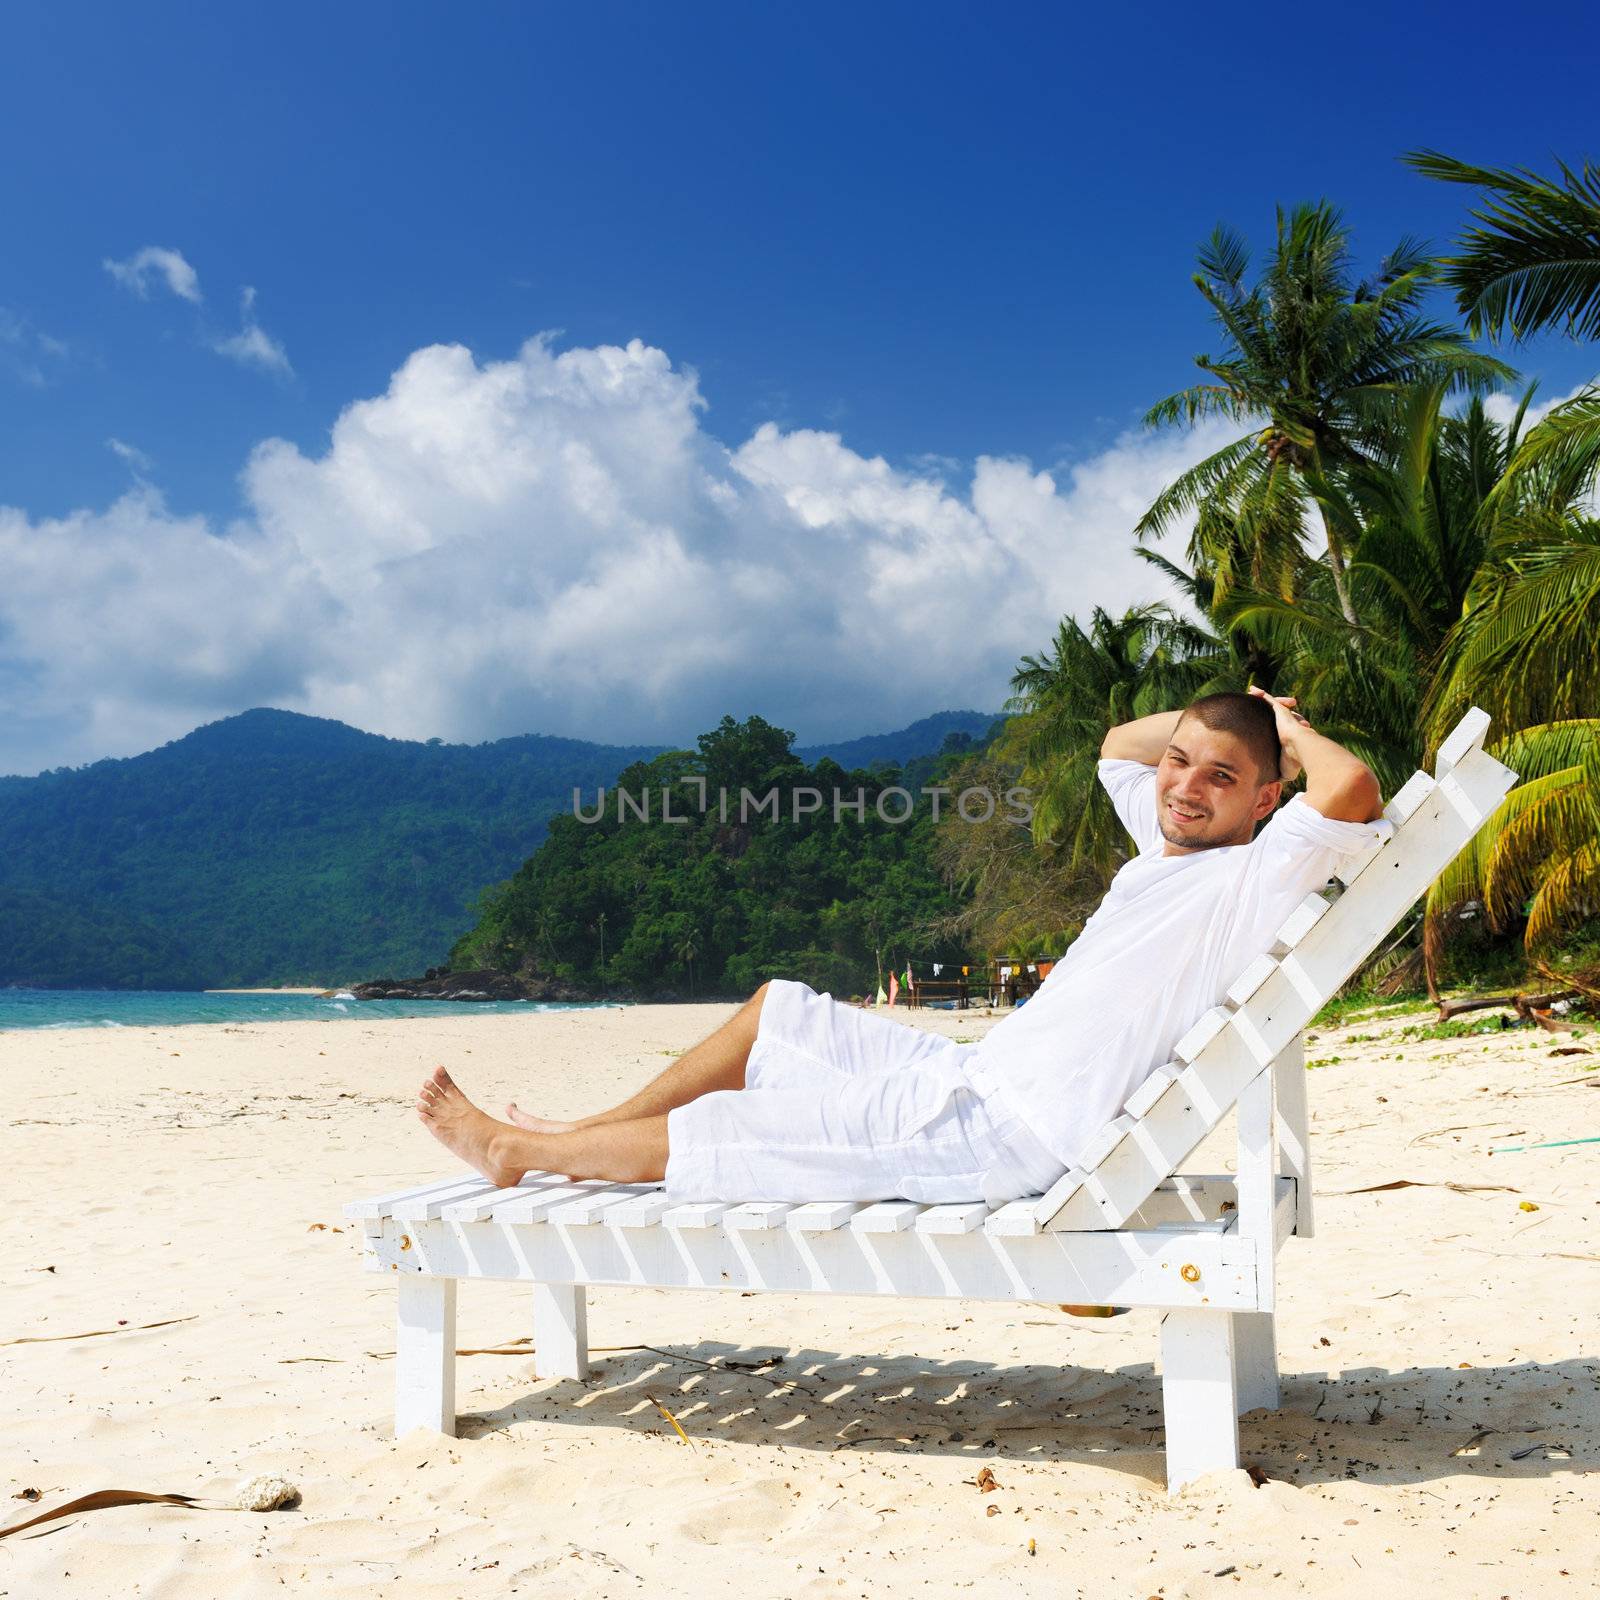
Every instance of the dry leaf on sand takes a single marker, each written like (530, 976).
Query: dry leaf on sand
(1423, 1183)
(100, 1499)
(94, 1333)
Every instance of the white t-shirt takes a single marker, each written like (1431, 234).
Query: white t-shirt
(1162, 948)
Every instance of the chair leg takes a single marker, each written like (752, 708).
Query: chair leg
(1199, 1393)
(560, 1330)
(425, 1355)
(1255, 1360)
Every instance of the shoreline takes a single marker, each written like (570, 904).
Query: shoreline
(284, 988)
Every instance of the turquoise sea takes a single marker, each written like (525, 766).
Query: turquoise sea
(159, 1008)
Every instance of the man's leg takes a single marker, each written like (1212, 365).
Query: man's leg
(717, 1062)
(624, 1152)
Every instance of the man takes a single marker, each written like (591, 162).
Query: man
(800, 1098)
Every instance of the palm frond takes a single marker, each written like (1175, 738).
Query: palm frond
(1569, 895)
(1534, 260)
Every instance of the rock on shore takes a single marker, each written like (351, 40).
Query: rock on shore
(484, 984)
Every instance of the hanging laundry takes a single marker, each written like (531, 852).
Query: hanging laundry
(894, 987)
(938, 967)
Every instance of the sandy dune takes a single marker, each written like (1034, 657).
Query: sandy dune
(1442, 1381)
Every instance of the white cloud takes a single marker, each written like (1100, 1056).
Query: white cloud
(554, 543)
(27, 352)
(252, 346)
(156, 262)
(131, 454)
(1501, 408)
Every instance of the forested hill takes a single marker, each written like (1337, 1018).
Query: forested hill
(274, 848)
(924, 737)
(759, 872)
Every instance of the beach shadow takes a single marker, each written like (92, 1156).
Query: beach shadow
(1408, 1425)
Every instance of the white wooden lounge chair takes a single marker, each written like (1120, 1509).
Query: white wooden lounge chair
(1126, 1228)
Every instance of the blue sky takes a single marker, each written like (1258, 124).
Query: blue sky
(942, 233)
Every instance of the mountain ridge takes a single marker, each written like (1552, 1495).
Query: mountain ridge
(275, 847)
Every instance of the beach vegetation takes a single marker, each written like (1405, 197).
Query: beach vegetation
(714, 905)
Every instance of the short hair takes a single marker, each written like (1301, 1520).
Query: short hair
(1250, 719)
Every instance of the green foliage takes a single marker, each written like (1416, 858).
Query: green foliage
(719, 899)
(45, 944)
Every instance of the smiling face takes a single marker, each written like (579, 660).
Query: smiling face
(1209, 790)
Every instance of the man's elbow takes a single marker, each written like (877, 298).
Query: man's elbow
(1357, 799)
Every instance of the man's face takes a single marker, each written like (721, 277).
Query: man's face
(1209, 790)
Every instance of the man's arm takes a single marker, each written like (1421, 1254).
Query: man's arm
(1144, 739)
(1339, 785)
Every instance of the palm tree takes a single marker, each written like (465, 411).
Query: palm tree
(686, 949)
(1321, 358)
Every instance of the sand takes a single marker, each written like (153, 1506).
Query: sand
(1438, 1348)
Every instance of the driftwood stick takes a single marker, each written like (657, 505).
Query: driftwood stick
(1527, 1006)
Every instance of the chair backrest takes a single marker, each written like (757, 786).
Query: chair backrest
(1315, 951)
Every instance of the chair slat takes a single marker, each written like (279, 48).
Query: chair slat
(638, 1210)
(1461, 741)
(698, 1214)
(1408, 799)
(1151, 1090)
(1205, 1029)
(1299, 923)
(1014, 1219)
(378, 1205)
(1104, 1142)
(1351, 868)
(757, 1215)
(956, 1218)
(822, 1216)
(1250, 980)
(474, 1208)
(426, 1207)
(536, 1204)
(886, 1216)
(1055, 1197)
(592, 1204)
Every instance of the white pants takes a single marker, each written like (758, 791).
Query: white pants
(841, 1104)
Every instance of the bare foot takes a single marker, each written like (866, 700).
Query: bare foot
(535, 1124)
(465, 1130)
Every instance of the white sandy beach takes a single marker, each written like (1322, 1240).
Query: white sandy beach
(1441, 1376)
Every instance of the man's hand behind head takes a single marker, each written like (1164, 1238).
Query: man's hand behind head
(1288, 721)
